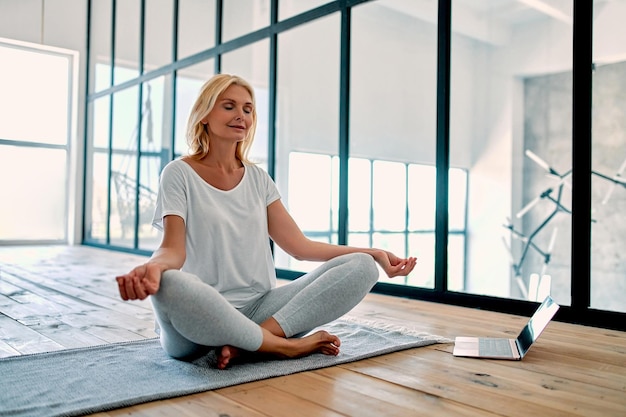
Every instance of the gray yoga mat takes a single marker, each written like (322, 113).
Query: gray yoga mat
(95, 379)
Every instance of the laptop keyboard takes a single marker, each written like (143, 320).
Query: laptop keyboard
(494, 347)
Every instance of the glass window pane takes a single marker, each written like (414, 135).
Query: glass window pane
(360, 240)
(37, 201)
(310, 195)
(124, 167)
(244, 16)
(608, 180)
(127, 37)
(422, 245)
(123, 203)
(28, 76)
(389, 202)
(155, 144)
(36, 107)
(511, 94)
(196, 26)
(290, 8)
(149, 238)
(125, 119)
(334, 200)
(457, 207)
(97, 198)
(100, 44)
(307, 121)
(97, 171)
(158, 34)
(100, 116)
(252, 63)
(456, 262)
(392, 123)
(360, 198)
(422, 197)
(156, 121)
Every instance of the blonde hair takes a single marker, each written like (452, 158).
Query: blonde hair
(197, 136)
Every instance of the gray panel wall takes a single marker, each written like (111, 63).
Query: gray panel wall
(548, 133)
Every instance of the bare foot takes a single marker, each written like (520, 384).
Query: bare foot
(278, 347)
(227, 354)
(318, 342)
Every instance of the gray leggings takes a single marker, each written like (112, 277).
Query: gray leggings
(193, 317)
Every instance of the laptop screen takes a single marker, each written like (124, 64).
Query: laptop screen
(536, 324)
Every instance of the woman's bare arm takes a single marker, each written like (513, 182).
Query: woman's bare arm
(285, 233)
(144, 280)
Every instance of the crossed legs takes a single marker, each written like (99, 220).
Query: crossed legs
(194, 317)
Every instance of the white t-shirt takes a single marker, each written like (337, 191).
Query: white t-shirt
(227, 241)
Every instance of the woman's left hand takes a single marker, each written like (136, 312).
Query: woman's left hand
(393, 265)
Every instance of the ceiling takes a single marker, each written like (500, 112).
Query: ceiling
(492, 20)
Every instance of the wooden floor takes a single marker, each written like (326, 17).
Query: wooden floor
(60, 297)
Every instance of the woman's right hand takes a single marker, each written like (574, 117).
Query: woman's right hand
(393, 265)
(141, 282)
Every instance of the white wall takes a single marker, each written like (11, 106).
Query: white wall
(609, 36)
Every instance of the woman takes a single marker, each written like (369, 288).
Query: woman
(212, 279)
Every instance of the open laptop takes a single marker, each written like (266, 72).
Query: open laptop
(511, 349)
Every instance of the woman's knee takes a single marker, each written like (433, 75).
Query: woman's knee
(366, 267)
(171, 285)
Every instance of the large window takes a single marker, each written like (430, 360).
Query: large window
(442, 130)
(381, 215)
(511, 120)
(392, 133)
(36, 131)
(307, 119)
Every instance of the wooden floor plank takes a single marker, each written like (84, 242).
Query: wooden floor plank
(85, 293)
(71, 309)
(68, 336)
(585, 370)
(204, 404)
(352, 393)
(6, 349)
(56, 297)
(23, 339)
(271, 401)
(493, 385)
(59, 298)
